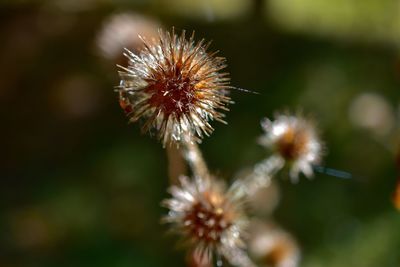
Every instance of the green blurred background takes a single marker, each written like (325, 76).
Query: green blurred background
(80, 187)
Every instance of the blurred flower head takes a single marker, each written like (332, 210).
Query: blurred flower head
(294, 139)
(175, 86)
(373, 112)
(209, 219)
(272, 246)
(121, 31)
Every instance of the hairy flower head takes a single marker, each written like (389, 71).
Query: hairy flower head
(295, 140)
(175, 86)
(210, 220)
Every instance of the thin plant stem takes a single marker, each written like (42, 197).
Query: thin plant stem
(176, 164)
(194, 158)
(259, 177)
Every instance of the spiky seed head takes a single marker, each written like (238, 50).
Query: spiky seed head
(294, 139)
(175, 86)
(210, 221)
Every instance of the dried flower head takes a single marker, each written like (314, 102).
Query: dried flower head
(175, 86)
(209, 219)
(295, 140)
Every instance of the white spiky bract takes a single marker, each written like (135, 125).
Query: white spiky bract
(295, 140)
(175, 86)
(210, 220)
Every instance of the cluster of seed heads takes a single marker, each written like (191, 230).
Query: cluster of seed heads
(176, 88)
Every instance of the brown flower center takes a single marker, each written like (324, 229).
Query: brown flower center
(173, 93)
(292, 143)
(278, 254)
(206, 223)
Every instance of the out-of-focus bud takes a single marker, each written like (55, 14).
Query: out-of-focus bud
(271, 246)
(121, 31)
(373, 112)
